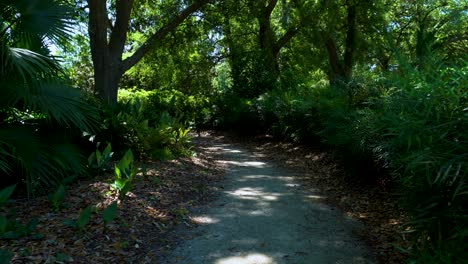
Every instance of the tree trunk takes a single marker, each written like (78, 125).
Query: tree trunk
(107, 50)
(336, 71)
(268, 43)
(350, 41)
(107, 54)
(267, 39)
(341, 70)
(107, 82)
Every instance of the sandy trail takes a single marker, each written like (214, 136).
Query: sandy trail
(264, 217)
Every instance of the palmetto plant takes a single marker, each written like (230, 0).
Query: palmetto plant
(38, 110)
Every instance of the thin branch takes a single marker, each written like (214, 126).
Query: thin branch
(109, 24)
(285, 39)
(157, 37)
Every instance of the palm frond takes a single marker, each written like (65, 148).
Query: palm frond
(38, 19)
(5, 166)
(27, 63)
(44, 161)
(60, 103)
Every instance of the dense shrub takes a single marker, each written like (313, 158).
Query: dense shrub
(422, 123)
(292, 113)
(188, 109)
(231, 112)
(128, 126)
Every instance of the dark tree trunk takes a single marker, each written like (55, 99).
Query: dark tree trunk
(350, 41)
(268, 43)
(267, 38)
(105, 64)
(341, 70)
(336, 71)
(106, 52)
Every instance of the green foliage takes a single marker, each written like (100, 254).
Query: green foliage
(15, 230)
(136, 123)
(5, 194)
(410, 122)
(99, 161)
(82, 220)
(415, 126)
(186, 108)
(233, 112)
(57, 197)
(40, 114)
(125, 172)
(292, 113)
(253, 75)
(10, 228)
(5, 256)
(110, 213)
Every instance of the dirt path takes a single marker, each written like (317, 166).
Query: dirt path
(264, 216)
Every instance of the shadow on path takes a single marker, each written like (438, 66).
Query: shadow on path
(264, 217)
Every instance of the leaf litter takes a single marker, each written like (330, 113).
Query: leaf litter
(158, 201)
(164, 196)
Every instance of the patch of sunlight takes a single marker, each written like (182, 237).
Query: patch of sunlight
(254, 258)
(270, 197)
(257, 177)
(315, 197)
(254, 194)
(232, 150)
(255, 164)
(259, 213)
(203, 220)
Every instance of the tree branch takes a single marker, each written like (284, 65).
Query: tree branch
(109, 23)
(119, 31)
(156, 38)
(97, 25)
(284, 39)
(269, 8)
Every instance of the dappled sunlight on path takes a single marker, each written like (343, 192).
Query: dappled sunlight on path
(264, 216)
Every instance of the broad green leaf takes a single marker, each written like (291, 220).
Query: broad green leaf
(110, 213)
(99, 158)
(84, 217)
(6, 193)
(107, 151)
(117, 172)
(56, 198)
(91, 159)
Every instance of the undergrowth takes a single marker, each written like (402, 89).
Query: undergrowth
(410, 122)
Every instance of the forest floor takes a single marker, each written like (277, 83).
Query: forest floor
(165, 204)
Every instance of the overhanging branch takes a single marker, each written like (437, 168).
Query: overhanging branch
(156, 38)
